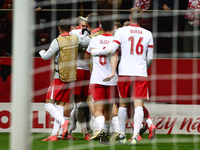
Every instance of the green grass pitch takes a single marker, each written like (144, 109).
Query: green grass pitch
(161, 142)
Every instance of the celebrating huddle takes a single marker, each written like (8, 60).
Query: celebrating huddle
(110, 96)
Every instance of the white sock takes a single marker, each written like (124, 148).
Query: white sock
(94, 124)
(73, 120)
(107, 125)
(107, 128)
(73, 115)
(149, 122)
(54, 112)
(67, 118)
(80, 105)
(115, 123)
(61, 109)
(100, 120)
(122, 116)
(138, 118)
(56, 125)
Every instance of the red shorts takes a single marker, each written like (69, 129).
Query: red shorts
(133, 87)
(60, 91)
(102, 92)
(82, 83)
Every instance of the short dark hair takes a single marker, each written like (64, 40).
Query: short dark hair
(65, 25)
(93, 20)
(136, 14)
(107, 24)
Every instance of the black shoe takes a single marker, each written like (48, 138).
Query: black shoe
(104, 138)
(142, 130)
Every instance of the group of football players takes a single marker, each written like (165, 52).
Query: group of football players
(105, 78)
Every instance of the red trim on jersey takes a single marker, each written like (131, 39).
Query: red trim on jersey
(150, 46)
(95, 30)
(105, 34)
(116, 41)
(64, 34)
(78, 28)
(134, 25)
(87, 52)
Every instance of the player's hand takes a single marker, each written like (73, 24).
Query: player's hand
(86, 31)
(93, 48)
(42, 52)
(108, 78)
(94, 51)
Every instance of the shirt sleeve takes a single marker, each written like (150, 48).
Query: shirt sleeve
(73, 33)
(118, 36)
(85, 42)
(54, 47)
(151, 42)
(90, 46)
(150, 52)
(110, 49)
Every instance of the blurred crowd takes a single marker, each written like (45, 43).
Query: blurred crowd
(159, 18)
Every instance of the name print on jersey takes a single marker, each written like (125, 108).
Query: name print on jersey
(104, 42)
(136, 31)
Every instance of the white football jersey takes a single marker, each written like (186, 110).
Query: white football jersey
(134, 42)
(101, 64)
(81, 64)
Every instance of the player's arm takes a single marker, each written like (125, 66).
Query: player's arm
(150, 53)
(81, 38)
(149, 57)
(51, 51)
(88, 51)
(87, 56)
(110, 49)
(84, 42)
(85, 32)
(114, 62)
(88, 59)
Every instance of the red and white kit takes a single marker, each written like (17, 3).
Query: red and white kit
(135, 43)
(136, 54)
(83, 71)
(58, 90)
(101, 69)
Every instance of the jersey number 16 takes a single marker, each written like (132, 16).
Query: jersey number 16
(139, 46)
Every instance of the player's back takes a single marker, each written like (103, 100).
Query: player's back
(81, 64)
(101, 64)
(134, 43)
